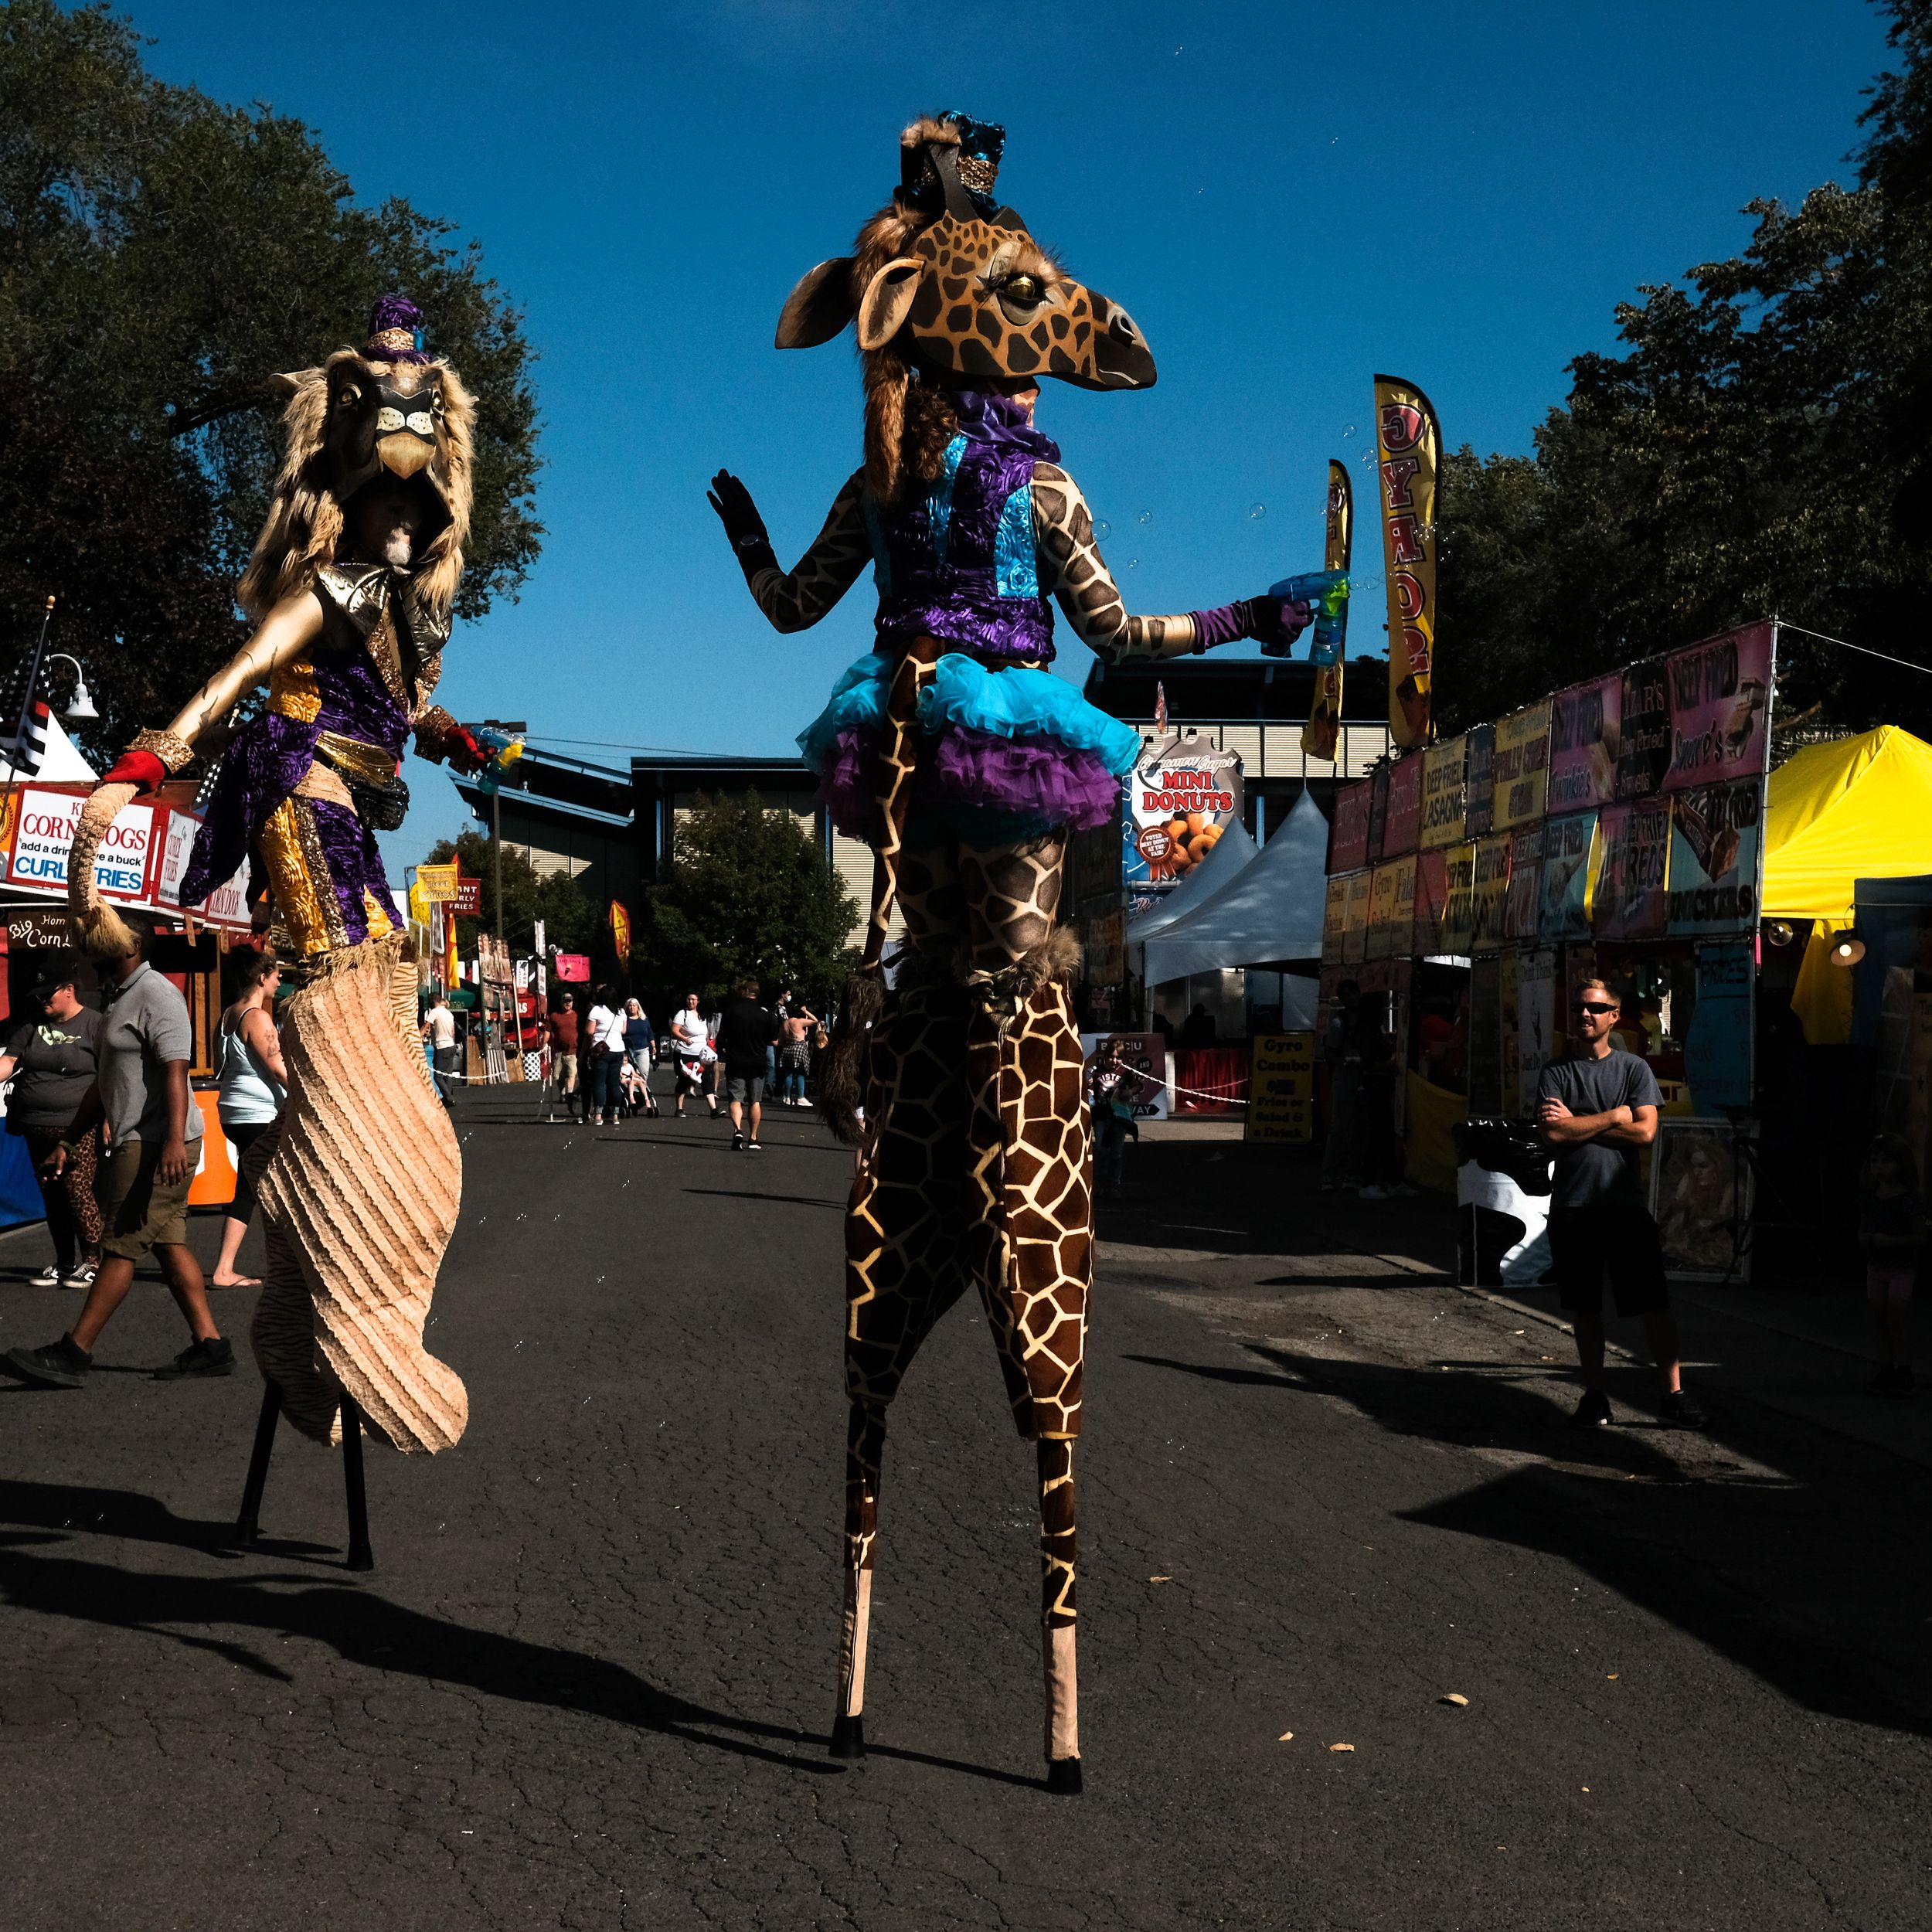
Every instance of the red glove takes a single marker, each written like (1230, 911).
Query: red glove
(463, 751)
(140, 769)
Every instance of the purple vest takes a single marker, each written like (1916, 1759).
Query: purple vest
(960, 563)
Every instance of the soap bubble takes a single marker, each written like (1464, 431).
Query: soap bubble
(1349, 432)
(1133, 563)
(1146, 516)
(1103, 529)
(1257, 510)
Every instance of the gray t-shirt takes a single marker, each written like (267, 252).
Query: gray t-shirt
(144, 1025)
(1594, 1173)
(56, 1058)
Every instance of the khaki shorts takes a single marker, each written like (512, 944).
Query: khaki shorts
(140, 1212)
(564, 1066)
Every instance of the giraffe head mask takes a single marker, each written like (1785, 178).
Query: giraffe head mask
(946, 282)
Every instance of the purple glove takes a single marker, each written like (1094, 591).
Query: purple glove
(1276, 625)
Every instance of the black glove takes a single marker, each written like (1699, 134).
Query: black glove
(1277, 623)
(744, 527)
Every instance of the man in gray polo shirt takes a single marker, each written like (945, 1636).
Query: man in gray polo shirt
(140, 1089)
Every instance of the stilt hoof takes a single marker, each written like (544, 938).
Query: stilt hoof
(848, 1738)
(1063, 1777)
(360, 1559)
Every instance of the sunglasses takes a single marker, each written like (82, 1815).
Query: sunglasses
(1595, 1006)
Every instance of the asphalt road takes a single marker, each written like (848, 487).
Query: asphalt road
(589, 1683)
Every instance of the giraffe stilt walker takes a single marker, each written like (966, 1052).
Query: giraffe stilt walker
(966, 765)
(353, 581)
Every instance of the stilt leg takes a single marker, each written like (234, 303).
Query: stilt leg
(1056, 1614)
(360, 1557)
(248, 1525)
(864, 1444)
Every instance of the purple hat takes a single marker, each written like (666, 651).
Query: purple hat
(396, 332)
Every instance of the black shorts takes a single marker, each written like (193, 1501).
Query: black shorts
(1586, 1244)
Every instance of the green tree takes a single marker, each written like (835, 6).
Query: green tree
(161, 255)
(749, 894)
(569, 918)
(1760, 448)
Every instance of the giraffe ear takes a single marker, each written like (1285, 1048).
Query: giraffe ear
(888, 301)
(819, 306)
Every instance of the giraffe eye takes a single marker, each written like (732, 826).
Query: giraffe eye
(1027, 290)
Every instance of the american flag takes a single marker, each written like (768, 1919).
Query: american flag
(30, 746)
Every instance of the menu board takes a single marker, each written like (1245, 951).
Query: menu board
(1720, 703)
(1349, 831)
(1281, 1088)
(1404, 819)
(1522, 765)
(1432, 903)
(1335, 916)
(1585, 724)
(1442, 794)
(1491, 891)
(1643, 749)
(1459, 901)
(1714, 846)
(1355, 923)
(1565, 896)
(1631, 900)
(1479, 783)
(1525, 879)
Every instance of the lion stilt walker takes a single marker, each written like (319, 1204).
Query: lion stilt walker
(353, 581)
(966, 765)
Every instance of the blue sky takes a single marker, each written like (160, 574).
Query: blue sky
(1287, 198)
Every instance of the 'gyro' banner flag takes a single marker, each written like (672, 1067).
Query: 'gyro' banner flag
(1321, 733)
(1409, 443)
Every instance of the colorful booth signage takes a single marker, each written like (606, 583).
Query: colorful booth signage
(1459, 898)
(1400, 827)
(1432, 903)
(1720, 697)
(1442, 794)
(1525, 881)
(1643, 749)
(1392, 902)
(1631, 901)
(1348, 831)
(1479, 789)
(1584, 736)
(1564, 912)
(1714, 848)
(1522, 765)
(1334, 917)
(1491, 892)
(1355, 923)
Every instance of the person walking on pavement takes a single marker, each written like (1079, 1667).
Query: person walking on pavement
(439, 1029)
(254, 1083)
(51, 1061)
(638, 1041)
(794, 1053)
(745, 1030)
(690, 1041)
(155, 1134)
(1595, 1110)
(604, 1023)
(564, 1053)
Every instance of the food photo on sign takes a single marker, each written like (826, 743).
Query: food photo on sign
(1720, 708)
(1714, 849)
(1178, 800)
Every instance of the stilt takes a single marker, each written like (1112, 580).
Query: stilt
(1063, 1727)
(360, 1557)
(248, 1525)
(864, 1444)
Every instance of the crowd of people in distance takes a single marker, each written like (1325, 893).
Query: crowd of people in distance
(731, 1059)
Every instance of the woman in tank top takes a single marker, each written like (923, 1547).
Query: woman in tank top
(254, 1082)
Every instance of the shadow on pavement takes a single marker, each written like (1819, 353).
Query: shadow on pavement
(1807, 1577)
(362, 1627)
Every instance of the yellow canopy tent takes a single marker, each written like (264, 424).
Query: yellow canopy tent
(1856, 808)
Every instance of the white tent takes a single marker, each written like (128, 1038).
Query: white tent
(60, 763)
(1226, 857)
(1272, 909)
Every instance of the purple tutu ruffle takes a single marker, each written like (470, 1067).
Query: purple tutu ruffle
(975, 783)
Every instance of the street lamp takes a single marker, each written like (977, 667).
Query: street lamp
(80, 707)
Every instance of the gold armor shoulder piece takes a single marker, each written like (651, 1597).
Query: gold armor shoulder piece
(173, 751)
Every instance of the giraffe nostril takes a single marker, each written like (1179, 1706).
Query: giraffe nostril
(1121, 327)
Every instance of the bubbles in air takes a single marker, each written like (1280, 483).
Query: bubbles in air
(1133, 563)
(1103, 529)
(1146, 516)
(1257, 510)
(1349, 432)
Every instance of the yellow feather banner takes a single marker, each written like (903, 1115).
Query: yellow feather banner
(1320, 734)
(1408, 441)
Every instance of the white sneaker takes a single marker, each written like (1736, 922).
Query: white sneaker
(83, 1277)
(48, 1277)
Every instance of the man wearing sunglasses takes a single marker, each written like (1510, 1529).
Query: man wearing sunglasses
(1597, 1110)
